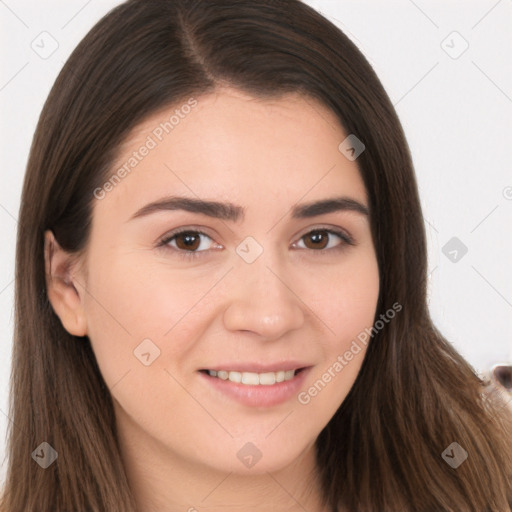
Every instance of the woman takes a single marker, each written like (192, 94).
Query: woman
(221, 283)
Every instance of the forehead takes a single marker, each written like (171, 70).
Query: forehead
(229, 145)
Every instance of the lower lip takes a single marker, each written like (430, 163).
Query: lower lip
(259, 396)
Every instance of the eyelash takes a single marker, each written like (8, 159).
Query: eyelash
(346, 240)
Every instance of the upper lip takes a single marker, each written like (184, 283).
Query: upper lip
(258, 367)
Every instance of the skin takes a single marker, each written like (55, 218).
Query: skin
(179, 436)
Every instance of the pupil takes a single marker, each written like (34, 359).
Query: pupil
(316, 237)
(189, 239)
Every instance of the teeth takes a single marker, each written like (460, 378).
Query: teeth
(235, 377)
(254, 379)
(267, 379)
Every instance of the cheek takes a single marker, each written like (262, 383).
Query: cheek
(348, 308)
(125, 307)
(355, 305)
(346, 299)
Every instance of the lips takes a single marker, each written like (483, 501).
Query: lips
(254, 378)
(250, 387)
(255, 367)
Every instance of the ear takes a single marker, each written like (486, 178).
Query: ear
(60, 285)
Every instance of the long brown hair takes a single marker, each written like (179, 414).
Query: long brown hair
(414, 395)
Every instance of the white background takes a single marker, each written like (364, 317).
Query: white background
(456, 113)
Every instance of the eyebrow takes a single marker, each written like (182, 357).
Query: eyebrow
(234, 213)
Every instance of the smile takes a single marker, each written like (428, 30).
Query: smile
(254, 379)
(256, 389)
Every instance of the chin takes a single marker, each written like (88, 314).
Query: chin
(256, 458)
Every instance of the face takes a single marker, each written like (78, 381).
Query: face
(183, 301)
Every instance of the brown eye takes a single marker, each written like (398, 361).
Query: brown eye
(324, 240)
(319, 239)
(188, 240)
(193, 243)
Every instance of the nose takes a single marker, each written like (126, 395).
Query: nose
(263, 302)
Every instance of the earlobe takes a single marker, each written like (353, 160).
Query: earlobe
(60, 285)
